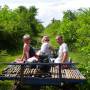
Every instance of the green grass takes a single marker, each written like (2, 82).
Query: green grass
(6, 85)
(83, 65)
(83, 61)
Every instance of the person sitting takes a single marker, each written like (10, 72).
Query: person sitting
(44, 54)
(28, 51)
(62, 52)
(46, 48)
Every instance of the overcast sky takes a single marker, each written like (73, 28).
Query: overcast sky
(48, 9)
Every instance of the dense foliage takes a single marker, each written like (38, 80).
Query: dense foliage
(15, 23)
(74, 27)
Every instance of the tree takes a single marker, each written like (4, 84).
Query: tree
(15, 23)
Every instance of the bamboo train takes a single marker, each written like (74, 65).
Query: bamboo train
(72, 74)
(68, 73)
(13, 70)
(63, 73)
(54, 72)
(81, 76)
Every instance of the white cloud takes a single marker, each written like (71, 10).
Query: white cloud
(76, 4)
(55, 9)
(48, 9)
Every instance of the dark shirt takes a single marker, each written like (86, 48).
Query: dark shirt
(31, 52)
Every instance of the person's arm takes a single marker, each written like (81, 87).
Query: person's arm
(43, 47)
(64, 53)
(20, 59)
(64, 56)
(25, 54)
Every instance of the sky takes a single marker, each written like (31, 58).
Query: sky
(48, 9)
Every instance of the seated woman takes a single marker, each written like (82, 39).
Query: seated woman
(28, 51)
(44, 54)
(46, 49)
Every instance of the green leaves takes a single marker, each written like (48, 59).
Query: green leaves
(74, 27)
(15, 23)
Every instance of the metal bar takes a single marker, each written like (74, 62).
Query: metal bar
(13, 63)
(60, 75)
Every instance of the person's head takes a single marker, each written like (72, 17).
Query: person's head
(45, 39)
(26, 38)
(59, 39)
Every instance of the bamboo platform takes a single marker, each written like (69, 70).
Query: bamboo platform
(65, 73)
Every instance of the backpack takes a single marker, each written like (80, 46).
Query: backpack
(44, 59)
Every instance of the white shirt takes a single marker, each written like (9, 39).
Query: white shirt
(45, 48)
(63, 48)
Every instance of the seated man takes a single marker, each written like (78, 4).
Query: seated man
(62, 52)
